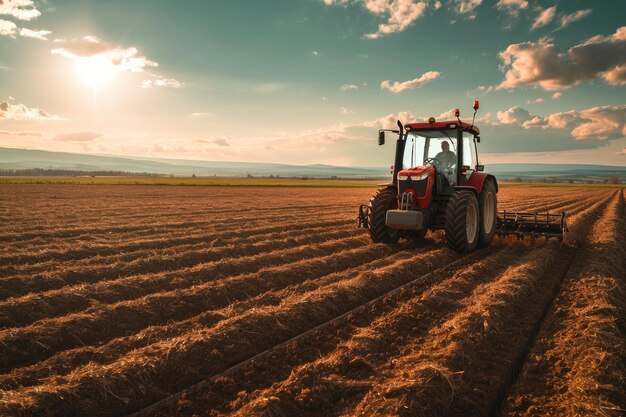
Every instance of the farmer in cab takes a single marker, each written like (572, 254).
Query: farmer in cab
(445, 160)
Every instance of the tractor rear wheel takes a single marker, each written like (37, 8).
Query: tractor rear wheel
(462, 221)
(383, 200)
(488, 203)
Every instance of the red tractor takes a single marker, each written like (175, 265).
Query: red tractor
(438, 184)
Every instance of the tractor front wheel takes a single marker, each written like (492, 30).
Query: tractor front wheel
(383, 200)
(462, 221)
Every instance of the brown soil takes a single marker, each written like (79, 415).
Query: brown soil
(113, 298)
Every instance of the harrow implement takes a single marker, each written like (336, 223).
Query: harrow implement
(522, 224)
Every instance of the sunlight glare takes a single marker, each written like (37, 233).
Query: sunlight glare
(94, 71)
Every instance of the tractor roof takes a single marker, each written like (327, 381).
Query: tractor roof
(452, 124)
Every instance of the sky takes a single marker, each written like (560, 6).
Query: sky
(311, 81)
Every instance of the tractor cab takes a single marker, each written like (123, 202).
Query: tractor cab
(448, 147)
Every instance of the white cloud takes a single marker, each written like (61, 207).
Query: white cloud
(543, 64)
(347, 87)
(202, 114)
(557, 95)
(466, 6)
(345, 110)
(400, 14)
(546, 16)
(315, 53)
(514, 115)
(602, 122)
(159, 81)
(20, 112)
(397, 87)
(77, 136)
(535, 101)
(568, 19)
(512, 7)
(20, 9)
(121, 59)
(36, 34)
(7, 28)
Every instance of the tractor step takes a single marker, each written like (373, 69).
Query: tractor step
(531, 225)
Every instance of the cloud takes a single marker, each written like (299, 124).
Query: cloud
(221, 142)
(22, 133)
(466, 6)
(535, 101)
(91, 48)
(557, 95)
(20, 112)
(77, 136)
(514, 115)
(546, 16)
(397, 87)
(315, 53)
(603, 122)
(159, 81)
(347, 87)
(7, 28)
(36, 34)
(20, 9)
(399, 14)
(202, 114)
(512, 7)
(568, 19)
(543, 64)
(345, 110)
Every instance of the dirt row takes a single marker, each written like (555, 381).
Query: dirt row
(68, 299)
(578, 364)
(97, 238)
(146, 221)
(436, 356)
(170, 259)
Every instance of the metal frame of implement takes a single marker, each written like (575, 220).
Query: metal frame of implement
(523, 224)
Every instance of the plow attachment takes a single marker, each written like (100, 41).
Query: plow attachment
(531, 224)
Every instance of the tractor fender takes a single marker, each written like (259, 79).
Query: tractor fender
(477, 179)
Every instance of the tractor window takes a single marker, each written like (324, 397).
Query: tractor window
(414, 151)
(469, 151)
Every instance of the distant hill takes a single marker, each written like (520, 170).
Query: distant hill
(23, 159)
(11, 158)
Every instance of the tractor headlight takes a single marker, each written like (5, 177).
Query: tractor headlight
(402, 177)
(419, 177)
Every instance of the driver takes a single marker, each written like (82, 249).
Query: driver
(446, 159)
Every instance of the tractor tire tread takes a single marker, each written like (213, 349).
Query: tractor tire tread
(382, 201)
(455, 230)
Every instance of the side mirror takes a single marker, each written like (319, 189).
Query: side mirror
(477, 138)
(381, 138)
(480, 167)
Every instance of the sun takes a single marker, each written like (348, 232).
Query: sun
(95, 71)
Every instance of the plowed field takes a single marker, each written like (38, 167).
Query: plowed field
(215, 301)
